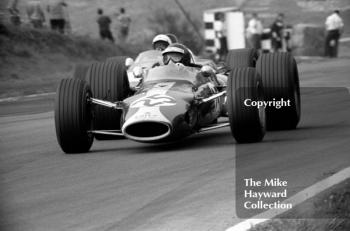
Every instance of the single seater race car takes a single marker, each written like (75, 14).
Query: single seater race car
(175, 101)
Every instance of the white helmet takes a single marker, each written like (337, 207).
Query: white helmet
(161, 41)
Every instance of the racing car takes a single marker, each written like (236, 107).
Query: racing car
(174, 101)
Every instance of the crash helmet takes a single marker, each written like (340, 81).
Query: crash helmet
(173, 38)
(160, 42)
(177, 53)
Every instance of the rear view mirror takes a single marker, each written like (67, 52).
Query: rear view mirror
(138, 72)
(129, 62)
(207, 71)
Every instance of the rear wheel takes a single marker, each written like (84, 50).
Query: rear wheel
(247, 123)
(73, 116)
(108, 81)
(280, 77)
(245, 57)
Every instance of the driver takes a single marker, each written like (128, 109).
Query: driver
(160, 42)
(177, 53)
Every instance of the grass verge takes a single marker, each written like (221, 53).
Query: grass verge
(330, 210)
(33, 61)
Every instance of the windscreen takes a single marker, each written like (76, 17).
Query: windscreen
(148, 56)
(171, 72)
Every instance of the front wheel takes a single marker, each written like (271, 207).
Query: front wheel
(73, 116)
(247, 123)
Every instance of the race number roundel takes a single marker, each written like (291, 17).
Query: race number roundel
(156, 100)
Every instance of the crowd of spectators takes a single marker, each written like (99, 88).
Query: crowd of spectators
(56, 13)
(104, 22)
(58, 20)
(279, 35)
(56, 16)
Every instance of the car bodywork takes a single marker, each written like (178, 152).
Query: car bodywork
(173, 101)
(147, 59)
(144, 61)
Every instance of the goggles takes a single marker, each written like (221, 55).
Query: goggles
(174, 57)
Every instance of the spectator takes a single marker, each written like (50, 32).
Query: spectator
(254, 31)
(277, 33)
(124, 21)
(35, 13)
(222, 35)
(287, 38)
(57, 12)
(15, 18)
(67, 24)
(104, 26)
(334, 28)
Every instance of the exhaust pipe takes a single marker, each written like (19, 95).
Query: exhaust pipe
(147, 131)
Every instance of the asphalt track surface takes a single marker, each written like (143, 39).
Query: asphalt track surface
(190, 185)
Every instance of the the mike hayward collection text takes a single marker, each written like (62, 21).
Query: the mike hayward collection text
(257, 197)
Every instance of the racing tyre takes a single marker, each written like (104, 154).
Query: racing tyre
(73, 116)
(247, 123)
(80, 71)
(279, 73)
(245, 57)
(108, 81)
